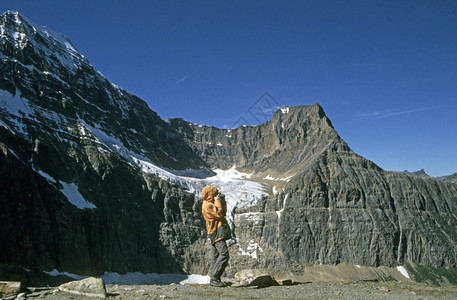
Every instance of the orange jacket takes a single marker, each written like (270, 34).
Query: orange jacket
(212, 209)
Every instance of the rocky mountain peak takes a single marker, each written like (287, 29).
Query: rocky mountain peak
(301, 112)
(19, 33)
(58, 90)
(421, 173)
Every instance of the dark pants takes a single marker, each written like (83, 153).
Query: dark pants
(219, 259)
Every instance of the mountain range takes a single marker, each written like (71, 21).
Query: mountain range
(94, 181)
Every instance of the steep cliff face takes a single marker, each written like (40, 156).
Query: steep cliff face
(72, 193)
(131, 223)
(346, 210)
(328, 205)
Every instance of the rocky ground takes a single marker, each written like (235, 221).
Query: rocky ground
(321, 290)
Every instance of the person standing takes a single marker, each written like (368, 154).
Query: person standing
(214, 210)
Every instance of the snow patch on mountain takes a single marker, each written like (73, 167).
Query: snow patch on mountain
(252, 249)
(403, 271)
(70, 190)
(13, 104)
(15, 108)
(285, 110)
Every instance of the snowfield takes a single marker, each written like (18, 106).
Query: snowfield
(238, 189)
(137, 278)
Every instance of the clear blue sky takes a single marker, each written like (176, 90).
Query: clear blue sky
(384, 71)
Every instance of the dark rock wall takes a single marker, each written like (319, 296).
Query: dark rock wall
(347, 210)
(140, 223)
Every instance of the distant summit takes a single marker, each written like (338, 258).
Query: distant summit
(450, 178)
(421, 173)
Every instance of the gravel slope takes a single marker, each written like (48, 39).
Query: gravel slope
(327, 290)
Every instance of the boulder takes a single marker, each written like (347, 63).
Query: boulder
(89, 287)
(254, 277)
(9, 288)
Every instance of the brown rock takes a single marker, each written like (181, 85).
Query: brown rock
(90, 287)
(9, 288)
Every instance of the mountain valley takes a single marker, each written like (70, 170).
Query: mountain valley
(94, 181)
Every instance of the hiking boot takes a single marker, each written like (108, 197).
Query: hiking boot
(216, 283)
